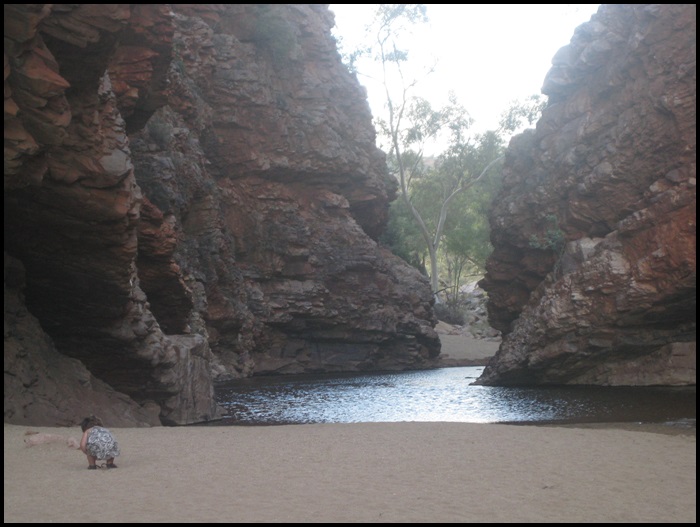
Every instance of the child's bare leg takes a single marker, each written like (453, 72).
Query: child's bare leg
(110, 463)
(92, 460)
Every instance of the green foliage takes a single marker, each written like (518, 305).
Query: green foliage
(522, 114)
(403, 237)
(552, 239)
(443, 210)
(465, 243)
(350, 58)
(395, 18)
(390, 23)
(466, 237)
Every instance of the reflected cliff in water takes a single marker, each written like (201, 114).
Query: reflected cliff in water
(444, 394)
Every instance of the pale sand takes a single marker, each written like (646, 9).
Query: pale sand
(366, 472)
(460, 348)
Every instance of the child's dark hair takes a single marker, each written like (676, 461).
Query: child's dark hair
(89, 422)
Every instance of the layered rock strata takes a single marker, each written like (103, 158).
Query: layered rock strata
(592, 278)
(192, 193)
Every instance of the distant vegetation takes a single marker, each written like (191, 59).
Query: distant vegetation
(440, 224)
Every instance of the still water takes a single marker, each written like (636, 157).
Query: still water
(444, 394)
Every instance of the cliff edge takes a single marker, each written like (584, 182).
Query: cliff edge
(592, 278)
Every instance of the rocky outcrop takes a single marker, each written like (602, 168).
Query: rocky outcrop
(45, 386)
(265, 163)
(72, 212)
(194, 194)
(592, 278)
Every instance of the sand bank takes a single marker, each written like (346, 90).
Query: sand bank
(365, 472)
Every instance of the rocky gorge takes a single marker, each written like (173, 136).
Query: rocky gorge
(193, 194)
(592, 278)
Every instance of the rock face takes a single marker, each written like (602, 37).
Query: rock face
(592, 277)
(192, 193)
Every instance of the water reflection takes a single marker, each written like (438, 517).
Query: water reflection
(442, 395)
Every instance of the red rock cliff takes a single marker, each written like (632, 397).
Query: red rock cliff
(192, 193)
(592, 278)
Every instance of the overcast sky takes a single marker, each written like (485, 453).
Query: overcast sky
(488, 54)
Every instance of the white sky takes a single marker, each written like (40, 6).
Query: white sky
(488, 54)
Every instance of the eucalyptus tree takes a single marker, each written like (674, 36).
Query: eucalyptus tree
(411, 122)
(441, 203)
(466, 242)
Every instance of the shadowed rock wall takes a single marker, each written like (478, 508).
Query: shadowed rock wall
(192, 193)
(592, 278)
